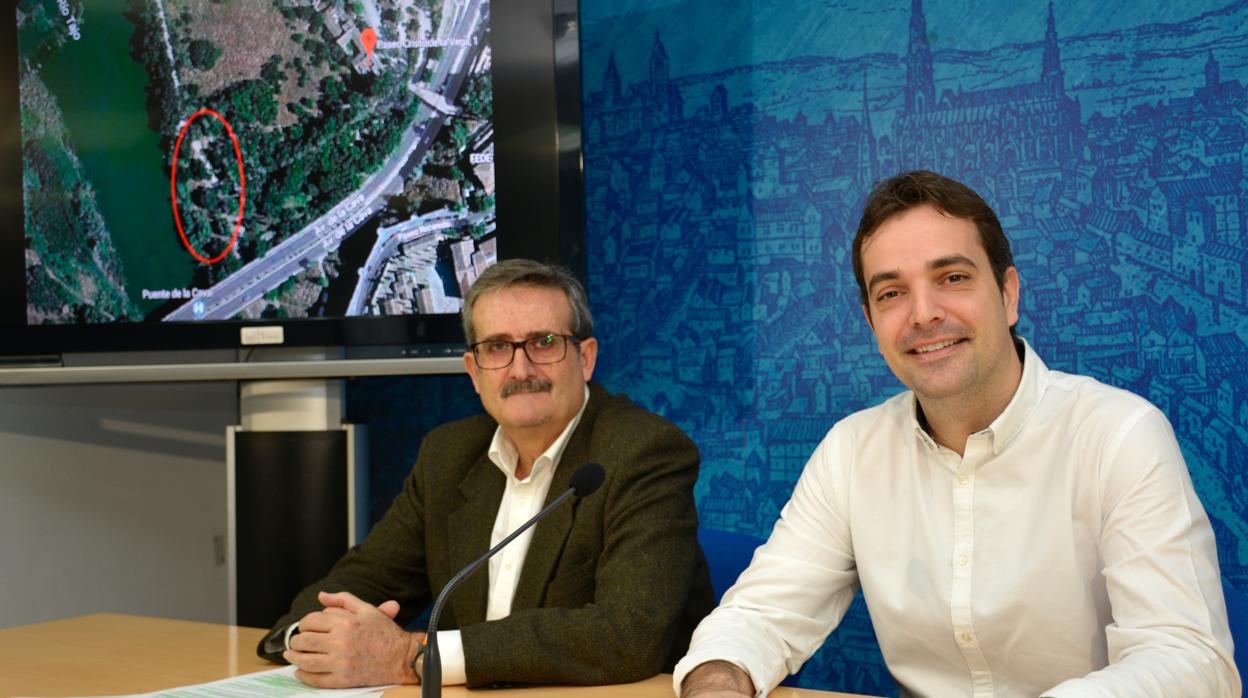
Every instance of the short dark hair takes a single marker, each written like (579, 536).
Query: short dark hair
(951, 197)
(527, 272)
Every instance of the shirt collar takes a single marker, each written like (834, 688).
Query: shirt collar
(1030, 388)
(503, 452)
(1007, 424)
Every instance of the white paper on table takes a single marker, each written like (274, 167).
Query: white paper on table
(275, 683)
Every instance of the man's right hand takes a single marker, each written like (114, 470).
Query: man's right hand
(352, 643)
(717, 680)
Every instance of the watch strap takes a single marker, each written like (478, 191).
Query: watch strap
(418, 661)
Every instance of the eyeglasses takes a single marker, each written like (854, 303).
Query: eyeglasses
(542, 349)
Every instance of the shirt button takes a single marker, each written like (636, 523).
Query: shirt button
(962, 560)
(967, 637)
(507, 567)
(963, 479)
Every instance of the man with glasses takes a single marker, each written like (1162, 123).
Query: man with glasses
(607, 590)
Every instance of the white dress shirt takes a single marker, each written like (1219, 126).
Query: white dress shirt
(1065, 554)
(522, 499)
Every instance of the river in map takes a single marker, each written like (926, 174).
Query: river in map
(353, 252)
(100, 91)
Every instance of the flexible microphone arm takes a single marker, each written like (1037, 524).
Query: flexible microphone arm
(585, 481)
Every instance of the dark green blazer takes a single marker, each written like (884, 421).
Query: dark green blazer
(612, 586)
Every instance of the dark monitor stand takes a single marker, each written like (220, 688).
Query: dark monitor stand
(297, 483)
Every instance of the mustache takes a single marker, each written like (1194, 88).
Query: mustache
(530, 385)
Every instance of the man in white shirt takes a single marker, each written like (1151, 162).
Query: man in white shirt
(1016, 531)
(621, 568)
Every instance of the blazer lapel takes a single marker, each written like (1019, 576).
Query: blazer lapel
(548, 538)
(469, 529)
(552, 532)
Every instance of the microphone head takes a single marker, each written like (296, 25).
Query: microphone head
(587, 479)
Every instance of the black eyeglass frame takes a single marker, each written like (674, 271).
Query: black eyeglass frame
(523, 345)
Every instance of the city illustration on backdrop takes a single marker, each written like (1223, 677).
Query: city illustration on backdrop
(197, 159)
(722, 204)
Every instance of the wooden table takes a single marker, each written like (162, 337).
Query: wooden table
(115, 654)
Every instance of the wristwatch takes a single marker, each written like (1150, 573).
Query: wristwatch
(418, 662)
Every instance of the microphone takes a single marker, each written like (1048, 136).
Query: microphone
(585, 481)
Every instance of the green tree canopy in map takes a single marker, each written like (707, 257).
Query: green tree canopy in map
(204, 54)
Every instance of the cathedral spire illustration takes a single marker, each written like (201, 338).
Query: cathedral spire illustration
(659, 68)
(920, 84)
(611, 83)
(1213, 72)
(868, 161)
(1051, 70)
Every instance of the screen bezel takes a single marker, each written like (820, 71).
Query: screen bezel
(537, 95)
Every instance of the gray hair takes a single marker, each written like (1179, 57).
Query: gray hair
(527, 272)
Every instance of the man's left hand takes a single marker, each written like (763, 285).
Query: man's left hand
(352, 643)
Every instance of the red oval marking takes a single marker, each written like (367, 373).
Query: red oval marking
(173, 188)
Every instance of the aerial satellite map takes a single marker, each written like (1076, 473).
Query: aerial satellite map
(192, 160)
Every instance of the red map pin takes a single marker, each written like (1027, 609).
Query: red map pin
(368, 38)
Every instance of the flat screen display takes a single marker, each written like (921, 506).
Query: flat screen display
(313, 164)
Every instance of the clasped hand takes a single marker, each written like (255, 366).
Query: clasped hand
(717, 679)
(352, 643)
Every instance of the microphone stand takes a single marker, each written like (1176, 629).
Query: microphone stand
(431, 679)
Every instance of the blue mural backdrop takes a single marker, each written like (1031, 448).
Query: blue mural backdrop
(728, 151)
